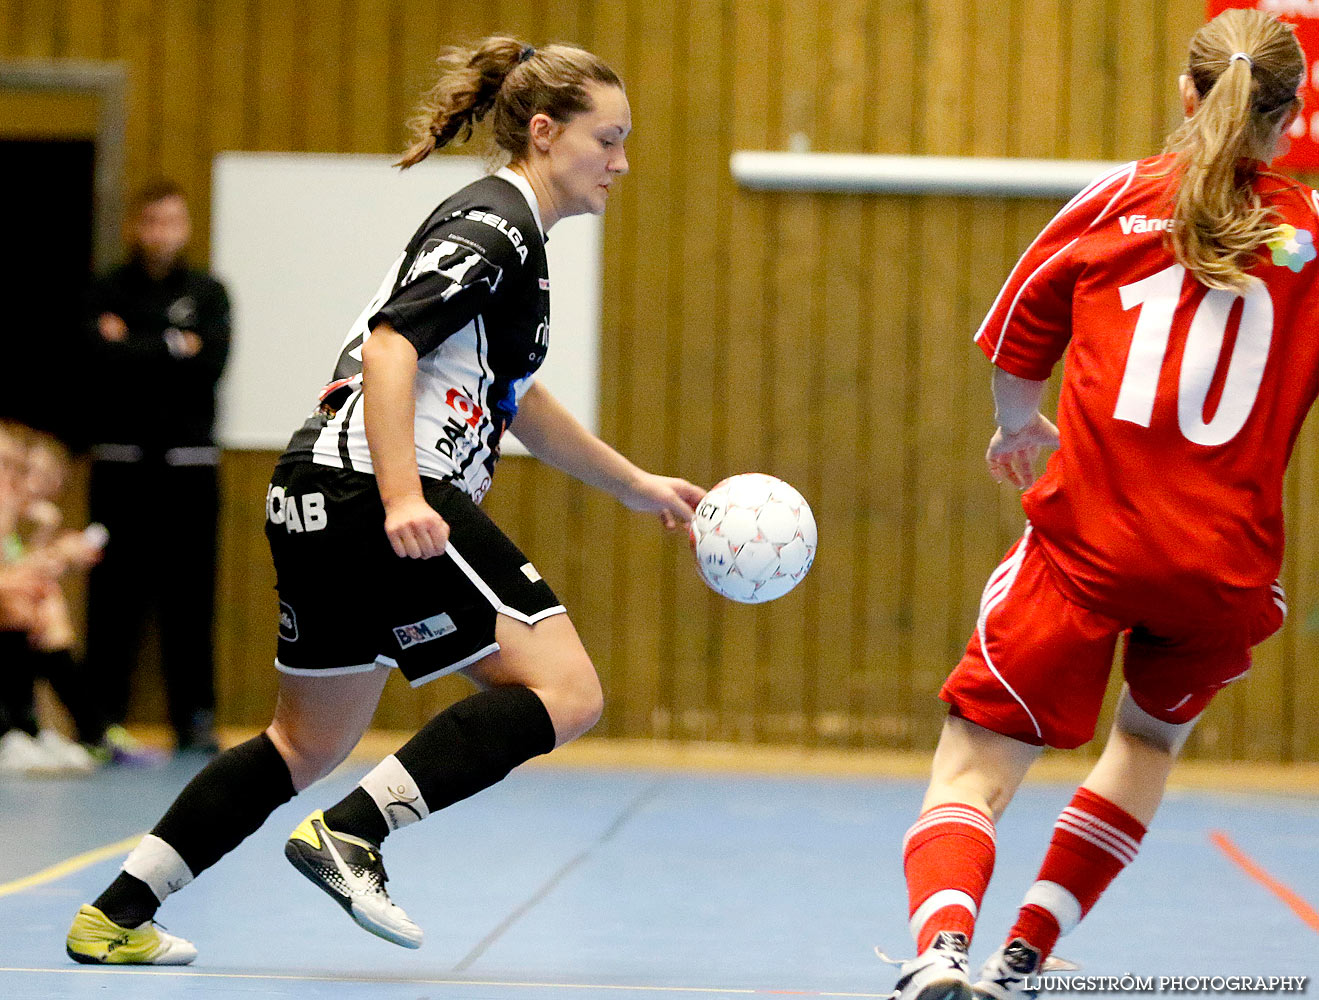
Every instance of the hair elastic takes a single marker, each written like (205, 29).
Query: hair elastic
(526, 54)
(1241, 55)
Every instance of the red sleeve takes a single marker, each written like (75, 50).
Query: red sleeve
(1030, 323)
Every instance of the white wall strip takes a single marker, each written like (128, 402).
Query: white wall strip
(857, 173)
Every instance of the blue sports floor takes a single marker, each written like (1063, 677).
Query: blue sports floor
(636, 885)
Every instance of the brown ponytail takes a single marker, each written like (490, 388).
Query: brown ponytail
(1246, 67)
(509, 78)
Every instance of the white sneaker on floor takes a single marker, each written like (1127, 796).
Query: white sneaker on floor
(1009, 972)
(59, 747)
(937, 973)
(20, 754)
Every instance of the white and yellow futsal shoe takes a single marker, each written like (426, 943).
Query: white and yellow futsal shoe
(95, 939)
(350, 871)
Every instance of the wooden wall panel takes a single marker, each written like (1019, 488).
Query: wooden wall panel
(752, 94)
(180, 96)
(788, 392)
(1302, 583)
(696, 355)
(1090, 85)
(130, 29)
(82, 30)
(370, 63)
(825, 339)
(840, 330)
(322, 89)
(38, 31)
(275, 102)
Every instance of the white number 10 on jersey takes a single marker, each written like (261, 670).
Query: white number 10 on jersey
(1157, 296)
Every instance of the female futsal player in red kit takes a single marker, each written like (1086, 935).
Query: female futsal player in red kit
(1181, 289)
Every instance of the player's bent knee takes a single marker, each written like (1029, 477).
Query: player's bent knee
(310, 756)
(591, 701)
(1135, 724)
(574, 699)
(1166, 741)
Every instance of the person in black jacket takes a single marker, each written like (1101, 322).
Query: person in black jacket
(160, 336)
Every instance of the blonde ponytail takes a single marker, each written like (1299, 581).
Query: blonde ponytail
(1246, 67)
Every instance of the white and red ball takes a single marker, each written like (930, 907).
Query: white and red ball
(754, 538)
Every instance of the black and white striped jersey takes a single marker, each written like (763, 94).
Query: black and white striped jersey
(472, 294)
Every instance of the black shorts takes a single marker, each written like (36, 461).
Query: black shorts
(347, 602)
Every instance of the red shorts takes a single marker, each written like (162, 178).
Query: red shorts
(1038, 664)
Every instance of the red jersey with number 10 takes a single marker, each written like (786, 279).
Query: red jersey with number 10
(1179, 405)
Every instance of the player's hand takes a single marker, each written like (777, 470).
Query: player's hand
(1011, 457)
(674, 500)
(414, 528)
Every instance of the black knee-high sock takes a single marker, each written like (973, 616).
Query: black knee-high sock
(466, 748)
(216, 811)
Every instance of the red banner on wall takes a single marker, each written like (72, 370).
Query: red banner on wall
(1304, 154)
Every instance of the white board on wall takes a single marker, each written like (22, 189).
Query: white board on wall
(302, 241)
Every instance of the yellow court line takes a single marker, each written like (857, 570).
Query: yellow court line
(70, 866)
(120, 970)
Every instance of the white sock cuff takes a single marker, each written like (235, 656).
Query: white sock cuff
(158, 865)
(395, 793)
(936, 902)
(1061, 904)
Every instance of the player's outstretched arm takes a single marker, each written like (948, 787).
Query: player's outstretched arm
(389, 370)
(557, 438)
(1023, 432)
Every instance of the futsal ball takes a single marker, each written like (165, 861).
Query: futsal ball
(754, 538)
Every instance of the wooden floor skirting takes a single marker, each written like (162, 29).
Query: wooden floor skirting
(1301, 779)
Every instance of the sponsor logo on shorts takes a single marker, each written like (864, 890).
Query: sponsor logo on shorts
(424, 631)
(297, 514)
(288, 623)
(529, 571)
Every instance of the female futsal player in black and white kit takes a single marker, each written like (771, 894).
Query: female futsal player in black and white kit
(435, 370)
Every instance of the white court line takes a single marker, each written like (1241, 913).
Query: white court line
(160, 971)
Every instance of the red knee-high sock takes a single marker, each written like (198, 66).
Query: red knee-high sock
(1092, 841)
(948, 856)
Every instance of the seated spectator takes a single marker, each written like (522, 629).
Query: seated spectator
(37, 637)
